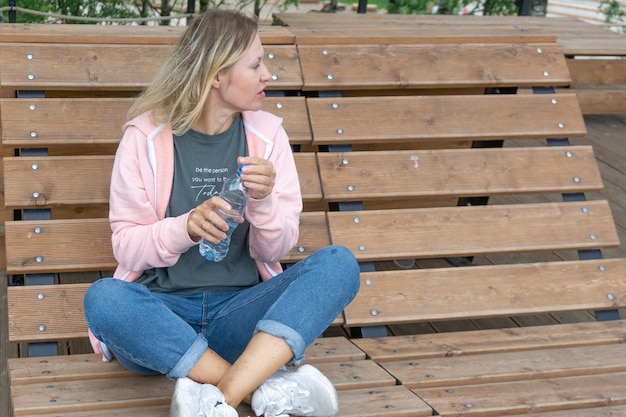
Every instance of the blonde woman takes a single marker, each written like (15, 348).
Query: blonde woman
(224, 330)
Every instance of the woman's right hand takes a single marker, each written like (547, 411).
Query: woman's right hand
(204, 222)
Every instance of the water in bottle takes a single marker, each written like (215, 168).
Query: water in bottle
(234, 194)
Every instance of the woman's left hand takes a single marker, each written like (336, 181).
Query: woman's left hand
(258, 176)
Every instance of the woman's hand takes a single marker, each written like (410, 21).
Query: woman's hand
(205, 222)
(258, 176)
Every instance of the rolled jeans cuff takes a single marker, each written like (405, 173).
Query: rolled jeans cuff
(290, 336)
(189, 359)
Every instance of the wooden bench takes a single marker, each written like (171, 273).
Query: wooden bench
(402, 156)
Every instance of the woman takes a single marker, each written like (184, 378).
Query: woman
(223, 330)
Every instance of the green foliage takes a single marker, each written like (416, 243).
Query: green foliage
(612, 10)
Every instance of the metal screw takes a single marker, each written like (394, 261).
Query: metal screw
(584, 210)
(546, 73)
(36, 194)
(42, 327)
(41, 296)
(345, 162)
(592, 237)
(350, 187)
(340, 131)
(362, 248)
(31, 76)
(301, 249)
(325, 52)
(39, 259)
(38, 229)
(374, 312)
(29, 56)
(561, 125)
(35, 166)
(610, 296)
(274, 77)
(279, 105)
(554, 101)
(539, 50)
(569, 154)
(357, 220)
(330, 76)
(468, 405)
(449, 391)
(602, 268)
(32, 107)
(368, 282)
(33, 134)
(335, 105)
(576, 180)
(270, 55)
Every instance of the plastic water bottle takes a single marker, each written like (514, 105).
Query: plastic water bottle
(234, 194)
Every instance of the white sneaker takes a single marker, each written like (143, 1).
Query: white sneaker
(192, 399)
(304, 392)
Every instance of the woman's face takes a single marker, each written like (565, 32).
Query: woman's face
(242, 86)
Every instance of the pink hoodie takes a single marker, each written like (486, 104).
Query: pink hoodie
(143, 238)
(141, 184)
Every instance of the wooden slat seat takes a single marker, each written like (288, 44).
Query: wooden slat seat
(452, 231)
(384, 175)
(43, 122)
(487, 291)
(56, 245)
(355, 120)
(396, 133)
(36, 380)
(72, 67)
(52, 181)
(422, 66)
(473, 342)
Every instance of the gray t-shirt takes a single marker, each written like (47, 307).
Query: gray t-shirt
(202, 163)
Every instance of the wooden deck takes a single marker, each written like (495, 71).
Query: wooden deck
(605, 133)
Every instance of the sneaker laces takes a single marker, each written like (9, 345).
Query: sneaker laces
(287, 393)
(210, 401)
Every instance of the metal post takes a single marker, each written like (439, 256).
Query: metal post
(524, 8)
(362, 7)
(12, 13)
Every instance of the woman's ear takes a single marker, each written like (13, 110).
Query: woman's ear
(217, 80)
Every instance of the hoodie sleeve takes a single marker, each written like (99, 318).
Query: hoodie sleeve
(141, 239)
(274, 220)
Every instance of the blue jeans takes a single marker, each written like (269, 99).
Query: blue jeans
(159, 333)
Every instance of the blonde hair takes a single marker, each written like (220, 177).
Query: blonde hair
(214, 41)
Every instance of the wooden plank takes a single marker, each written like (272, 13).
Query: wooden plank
(51, 181)
(313, 236)
(528, 396)
(59, 245)
(381, 402)
(602, 101)
(610, 411)
(486, 291)
(466, 231)
(50, 369)
(351, 120)
(119, 34)
(54, 181)
(46, 313)
(459, 172)
(27, 66)
(356, 374)
(50, 121)
(44, 122)
(518, 339)
(509, 366)
(95, 394)
(597, 71)
(331, 67)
